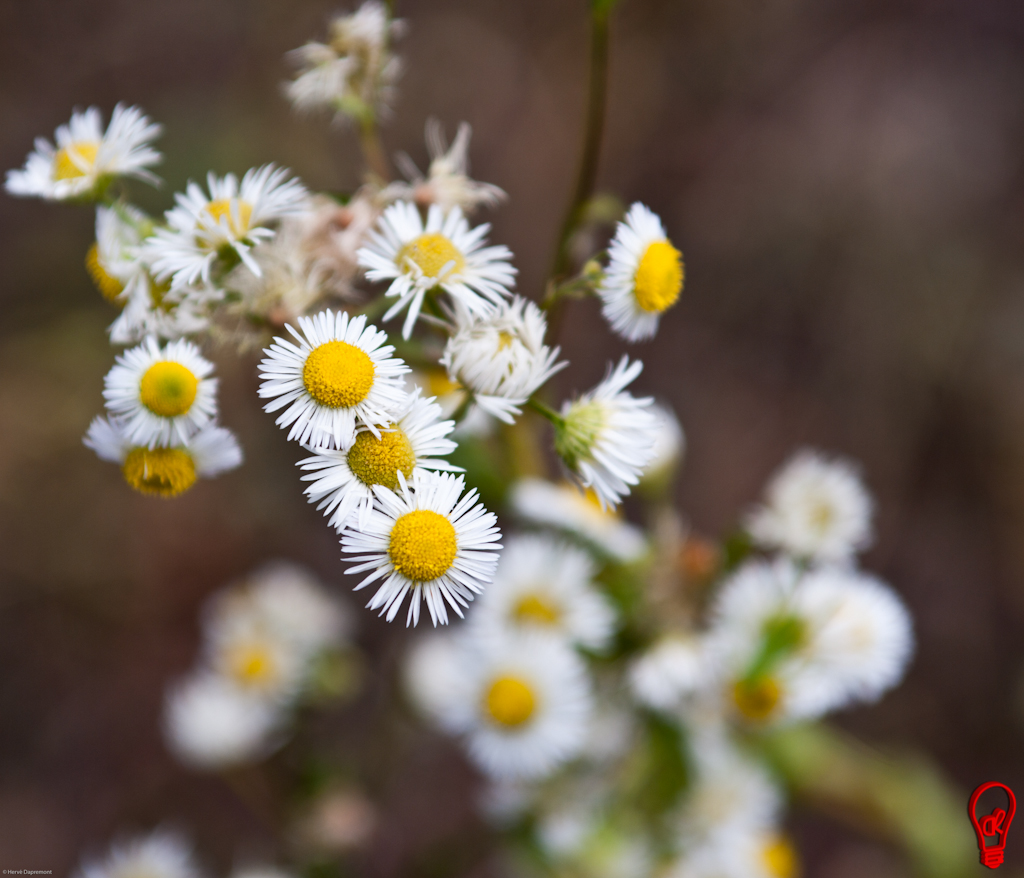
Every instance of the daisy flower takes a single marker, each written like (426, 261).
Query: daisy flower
(644, 275)
(209, 723)
(545, 585)
(502, 357)
(342, 481)
(162, 396)
(523, 704)
(424, 541)
(567, 508)
(86, 158)
(444, 253)
(670, 670)
(606, 437)
(338, 377)
(113, 260)
(669, 449)
(223, 224)
(153, 308)
(164, 471)
(816, 509)
(161, 854)
(448, 183)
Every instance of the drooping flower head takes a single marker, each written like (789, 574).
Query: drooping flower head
(336, 376)
(86, 158)
(644, 276)
(113, 261)
(428, 541)
(444, 253)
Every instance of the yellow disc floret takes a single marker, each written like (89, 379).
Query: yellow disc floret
(108, 285)
(379, 461)
(168, 389)
(251, 664)
(509, 702)
(757, 699)
(162, 472)
(338, 374)
(431, 253)
(780, 859)
(237, 211)
(659, 277)
(534, 610)
(422, 545)
(75, 160)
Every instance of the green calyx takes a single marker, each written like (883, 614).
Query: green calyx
(576, 435)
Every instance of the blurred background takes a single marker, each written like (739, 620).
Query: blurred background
(844, 178)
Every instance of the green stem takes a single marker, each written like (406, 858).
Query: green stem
(546, 412)
(373, 149)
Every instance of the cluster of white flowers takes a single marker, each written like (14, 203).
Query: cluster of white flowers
(263, 642)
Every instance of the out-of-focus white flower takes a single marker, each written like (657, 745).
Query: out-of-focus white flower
(433, 672)
(606, 437)
(567, 508)
(544, 585)
(161, 396)
(113, 261)
(342, 481)
(816, 509)
(354, 74)
(427, 540)
(337, 378)
(644, 276)
(164, 472)
(161, 854)
(210, 723)
(523, 704)
(668, 672)
(501, 358)
(86, 158)
(230, 220)
(746, 855)
(669, 448)
(448, 183)
(444, 253)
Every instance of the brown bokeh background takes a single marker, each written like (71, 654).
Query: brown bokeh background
(844, 177)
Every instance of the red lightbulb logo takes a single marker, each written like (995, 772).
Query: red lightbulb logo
(997, 823)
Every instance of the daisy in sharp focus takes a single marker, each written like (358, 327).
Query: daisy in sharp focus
(164, 471)
(426, 540)
(342, 480)
(606, 437)
(223, 224)
(501, 358)
(545, 585)
(161, 854)
(86, 158)
(161, 396)
(337, 378)
(443, 253)
(644, 275)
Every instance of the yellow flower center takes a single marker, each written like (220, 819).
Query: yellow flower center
(164, 472)
(338, 375)
(439, 384)
(237, 211)
(158, 291)
(756, 699)
(251, 664)
(822, 515)
(534, 610)
(780, 859)
(108, 285)
(505, 340)
(422, 545)
(431, 253)
(75, 160)
(659, 277)
(168, 389)
(510, 702)
(378, 461)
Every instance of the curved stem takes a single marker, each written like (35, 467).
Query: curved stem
(545, 411)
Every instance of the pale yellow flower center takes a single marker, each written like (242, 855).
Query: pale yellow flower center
(659, 277)
(75, 159)
(379, 461)
(822, 515)
(252, 664)
(108, 285)
(509, 701)
(532, 609)
(237, 211)
(440, 384)
(422, 545)
(164, 472)
(168, 389)
(756, 699)
(431, 253)
(780, 859)
(338, 374)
